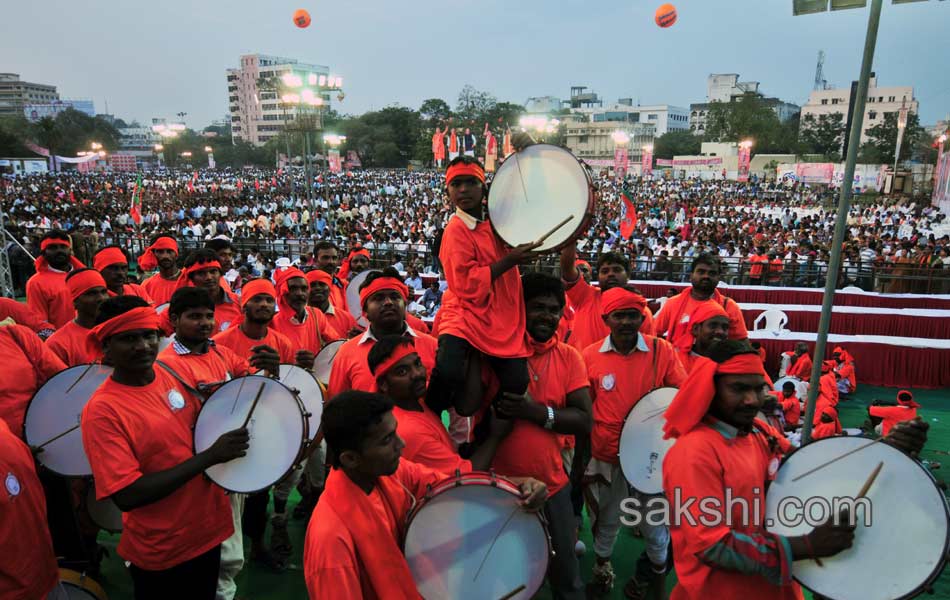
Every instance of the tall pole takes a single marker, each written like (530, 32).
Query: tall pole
(841, 223)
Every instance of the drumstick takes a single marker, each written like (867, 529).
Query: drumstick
(51, 440)
(247, 419)
(834, 460)
(870, 481)
(75, 383)
(550, 233)
(514, 592)
(495, 539)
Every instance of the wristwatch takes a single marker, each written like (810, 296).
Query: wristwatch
(549, 423)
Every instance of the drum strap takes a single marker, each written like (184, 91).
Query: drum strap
(188, 386)
(655, 384)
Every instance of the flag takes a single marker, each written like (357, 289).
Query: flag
(628, 216)
(136, 209)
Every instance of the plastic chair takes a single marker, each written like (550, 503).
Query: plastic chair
(775, 321)
(852, 288)
(661, 301)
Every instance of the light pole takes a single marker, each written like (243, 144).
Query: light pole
(334, 141)
(210, 152)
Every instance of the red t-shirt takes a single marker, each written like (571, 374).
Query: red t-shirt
(219, 363)
(235, 339)
(617, 383)
(791, 406)
(588, 326)
(310, 335)
(48, 296)
(427, 441)
(131, 431)
(159, 288)
(892, 415)
(673, 321)
(530, 450)
(133, 289)
(705, 463)
(351, 370)
(488, 314)
(23, 314)
(27, 364)
(69, 344)
(340, 320)
(28, 568)
(801, 368)
(228, 314)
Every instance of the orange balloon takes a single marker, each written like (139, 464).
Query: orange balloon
(666, 15)
(301, 18)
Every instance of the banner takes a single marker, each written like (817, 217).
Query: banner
(745, 158)
(334, 158)
(621, 161)
(353, 159)
(211, 163)
(941, 196)
(35, 148)
(646, 163)
(664, 162)
(689, 162)
(122, 162)
(815, 172)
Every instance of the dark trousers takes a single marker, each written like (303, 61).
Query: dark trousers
(564, 570)
(451, 363)
(254, 521)
(195, 579)
(73, 535)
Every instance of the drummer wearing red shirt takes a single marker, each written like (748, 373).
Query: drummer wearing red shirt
(88, 291)
(721, 447)
(137, 432)
(791, 405)
(905, 410)
(161, 255)
(622, 368)
(328, 260)
(45, 292)
(203, 269)
(113, 263)
(673, 322)
(710, 325)
(339, 319)
(556, 404)
(483, 308)
(306, 328)
(253, 336)
(352, 547)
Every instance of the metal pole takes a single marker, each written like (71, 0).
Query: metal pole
(841, 223)
(310, 200)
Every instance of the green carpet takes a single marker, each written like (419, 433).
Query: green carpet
(261, 583)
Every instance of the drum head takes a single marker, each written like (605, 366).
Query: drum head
(642, 447)
(801, 387)
(277, 429)
(907, 541)
(473, 542)
(56, 408)
(353, 294)
(308, 391)
(533, 191)
(80, 587)
(324, 361)
(165, 342)
(103, 513)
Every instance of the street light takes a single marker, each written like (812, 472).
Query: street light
(746, 144)
(186, 154)
(621, 138)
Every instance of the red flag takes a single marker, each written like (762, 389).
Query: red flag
(628, 216)
(273, 181)
(135, 210)
(240, 184)
(72, 197)
(257, 184)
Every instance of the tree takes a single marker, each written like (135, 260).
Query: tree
(823, 135)
(883, 137)
(748, 117)
(676, 143)
(473, 106)
(435, 112)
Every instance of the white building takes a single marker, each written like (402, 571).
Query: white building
(257, 114)
(881, 101)
(594, 141)
(723, 87)
(542, 105)
(726, 87)
(663, 117)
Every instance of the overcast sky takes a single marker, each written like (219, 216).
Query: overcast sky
(155, 59)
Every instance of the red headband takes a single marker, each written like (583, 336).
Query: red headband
(694, 397)
(319, 275)
(619, 298)
(82, 282)
(109, 256)
(147, 261)
(54, 242)
(255, 287)
(383, 283)
(184, 279)
(345, 267)
(909, 402)
(705, 311)
(400, 352)
(143, 317)
(465, 169)
(282, 277)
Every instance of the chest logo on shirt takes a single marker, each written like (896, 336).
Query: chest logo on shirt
(773, 467)
(685, 319)
(224, 326)
(608, 381)
(176, 400)
(12, 484)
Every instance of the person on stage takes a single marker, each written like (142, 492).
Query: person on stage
(491, 150)
(137, 430)
(161, 255)
(353, 541)
(453, 143)
(88, 291)
(469, 142)
(438, 147)
(46, 293)
(721, 447)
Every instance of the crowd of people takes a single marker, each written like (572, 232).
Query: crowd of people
(534, 373)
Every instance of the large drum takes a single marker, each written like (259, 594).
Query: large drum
(54, 414)
(78, 586)
(277, 428)
(642, 447)
(353, 297)
(470, 539)
(801, 387)
(323, 364)
(104, 513)
(903, 550)
(309, 391)
(534, 190)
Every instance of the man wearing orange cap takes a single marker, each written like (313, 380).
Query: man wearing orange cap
(791, 405)
(161, 255)
(723, 457)
(113, 264)
(328, 260)
(203, 269)
(483, 309)
(137, 432)
(306, 328)
(253, 335)
(622, 368)
(88, 291)
(799, 363)
(906, 410)
(710, 325)
(321, 291)
(46, 291)
(355, 263)
(674, 320)
(844, 370)
(383, 298)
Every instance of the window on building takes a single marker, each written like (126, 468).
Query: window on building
(235, 128)
(872, 115)
(835, 100)
(880, 98)
(892, 99)
(235, 119)
(824, 101)
(583, 139)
